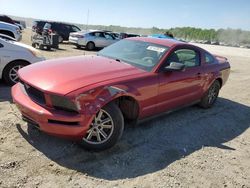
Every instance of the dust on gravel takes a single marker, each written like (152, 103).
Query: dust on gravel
(192, 147)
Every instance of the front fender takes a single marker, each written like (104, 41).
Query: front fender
(92, 101)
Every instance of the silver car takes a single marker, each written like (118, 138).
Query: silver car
(15, 55)
(92, 40)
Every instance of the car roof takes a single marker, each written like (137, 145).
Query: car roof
(163, 42)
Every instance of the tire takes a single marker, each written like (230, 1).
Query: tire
(41, 47)
(90, 46)
(211, 95)
(78, 46)
(10, 71)
(113, 129)
(60, 39)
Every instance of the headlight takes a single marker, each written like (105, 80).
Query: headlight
(18, 30)
(63, 103)
(36, 53)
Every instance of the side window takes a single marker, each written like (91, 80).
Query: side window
(108, 36)
(98, 34)
(188, 57)
(209, 59)
(74, 29)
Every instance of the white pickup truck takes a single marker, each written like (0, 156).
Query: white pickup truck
(11, 30)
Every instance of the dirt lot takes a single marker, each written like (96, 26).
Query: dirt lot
(188, 148)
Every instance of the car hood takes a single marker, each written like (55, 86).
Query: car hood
(62, 76)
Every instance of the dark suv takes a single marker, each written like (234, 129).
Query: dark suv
(6, 19)
(62, 29)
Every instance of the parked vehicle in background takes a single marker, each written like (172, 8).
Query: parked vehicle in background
(7, 19)
(88, 98)
(61, 29)
(127, 35)
(13, 56)
(161, 36)
(92, 40)
(21, 22)
(11, 30)
(115, 34)
(46, 39)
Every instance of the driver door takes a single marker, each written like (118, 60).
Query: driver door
(179, 88)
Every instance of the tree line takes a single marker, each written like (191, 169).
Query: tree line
(227, 36)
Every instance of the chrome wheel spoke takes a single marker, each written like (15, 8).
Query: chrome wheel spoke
(106, 126)
(100, 129)
(15, 78)
(104, 135)
(98, 136)
(105, 121)
(98, 118)
(212, 94)
(13, 73)
(90, 134)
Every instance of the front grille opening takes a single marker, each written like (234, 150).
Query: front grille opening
(72, 123)
(66, 109)
(35, 94)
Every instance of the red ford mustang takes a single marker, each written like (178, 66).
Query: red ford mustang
(88, 98)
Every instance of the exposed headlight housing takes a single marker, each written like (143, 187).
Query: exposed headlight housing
(63, 103)
(35, 53)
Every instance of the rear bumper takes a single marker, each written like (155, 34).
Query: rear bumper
(54, 122)
(77, 41)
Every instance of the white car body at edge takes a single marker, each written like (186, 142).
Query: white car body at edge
(12, 51)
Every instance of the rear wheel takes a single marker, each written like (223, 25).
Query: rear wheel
(60, 39)
(210, 97)
(105, 129)
(90, 46)
(10, 71)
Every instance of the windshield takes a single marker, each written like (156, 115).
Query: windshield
(143, 55)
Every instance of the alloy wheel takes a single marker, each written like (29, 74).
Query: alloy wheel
(13, 73)
(101, 128)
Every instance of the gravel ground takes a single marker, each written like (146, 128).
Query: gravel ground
(191, 147)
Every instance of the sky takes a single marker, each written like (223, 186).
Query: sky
(136, 13)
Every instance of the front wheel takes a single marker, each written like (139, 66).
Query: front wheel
(10, 71)
(90, 46)
(211, 95)
(105, 129)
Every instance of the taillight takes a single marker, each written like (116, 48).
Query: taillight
(79, 36)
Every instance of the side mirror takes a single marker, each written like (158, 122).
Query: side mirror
(174, 66)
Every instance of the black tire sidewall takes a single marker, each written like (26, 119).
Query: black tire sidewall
(204, 101)
(60, 41)
(118, 121)
(7, 69)
(90, 46)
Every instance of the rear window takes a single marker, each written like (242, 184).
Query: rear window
(75, 29)
(209, 59)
